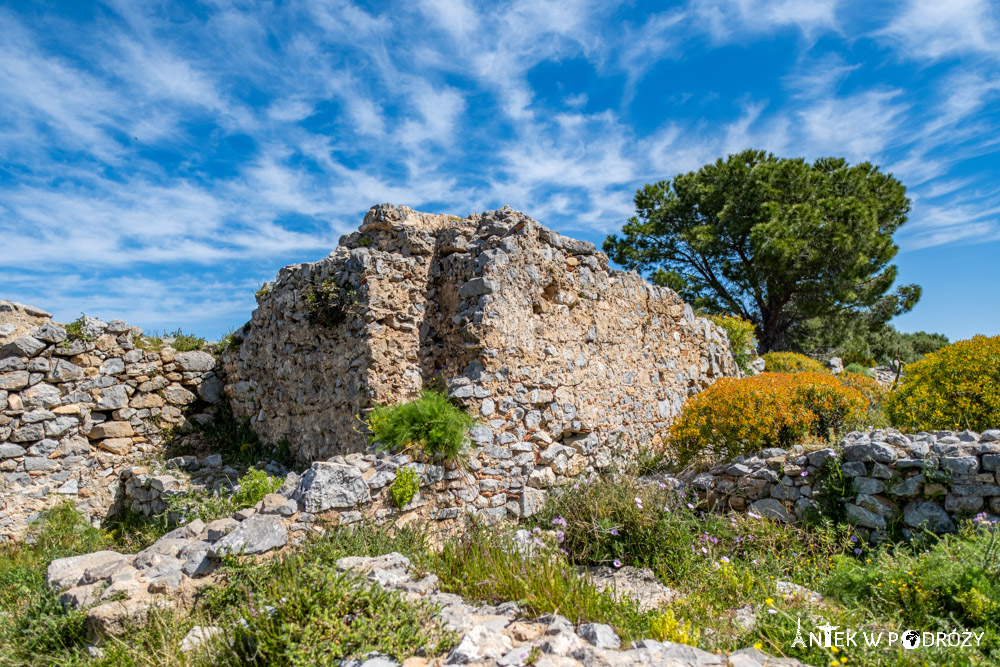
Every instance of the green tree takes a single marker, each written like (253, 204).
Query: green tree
(776, 241)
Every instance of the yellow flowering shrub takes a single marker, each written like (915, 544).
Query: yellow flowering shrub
(792, 362)
(957, 387)
(735, 417)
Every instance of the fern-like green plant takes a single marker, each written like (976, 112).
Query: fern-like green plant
(431, 426)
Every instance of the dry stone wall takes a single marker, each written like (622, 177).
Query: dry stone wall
(568, 366)
(76, 410)
(928, 480)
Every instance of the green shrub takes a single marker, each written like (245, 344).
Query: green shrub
(328, 304)
(405, 486)
(309, 615)
(186, 342)
(74, 330)
(956, 581)
(859, 369)
(253, 486)
(735, 417)
(742, 341)
(792, 362)
(957, 387)
(228, 342)
(432, 426)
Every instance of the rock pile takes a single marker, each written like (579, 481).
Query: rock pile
(78, 407)
(567, 365)
(928, 480)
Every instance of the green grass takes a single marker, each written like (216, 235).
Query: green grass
(430, 427)
(717, 562)
(186, 342)
(74, 330)
(720, 563)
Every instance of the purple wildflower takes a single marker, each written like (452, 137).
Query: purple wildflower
(614, 531)
(617, 563)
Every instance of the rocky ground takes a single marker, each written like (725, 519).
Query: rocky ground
(489, 635)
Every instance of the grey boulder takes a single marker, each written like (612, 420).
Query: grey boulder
(256, 535)
(329, 485)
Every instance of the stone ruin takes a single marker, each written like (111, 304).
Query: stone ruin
(569, 366)
(77, 410)
(529, 329)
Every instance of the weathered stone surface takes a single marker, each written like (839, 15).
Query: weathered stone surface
(13, 381)
(62, 370)
(25, 346)
(195, 361)
(872, 451)
(330, 485)
(929, 516)
(859, 516)
(112, 398)
(68, 572)
(197, 636)
(770, 508)
(255, 535)
(178, 395)
(600, 635)
(512, 301)
(638, 583)
(479, 645)
(110, 430)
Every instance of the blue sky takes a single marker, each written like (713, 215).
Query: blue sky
(161, 160)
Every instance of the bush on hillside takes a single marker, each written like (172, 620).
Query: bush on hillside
(742, 340)
(858, 369)
(735, 417)
(432, 426)
(957, 387)
(874, 394)
(791, 362)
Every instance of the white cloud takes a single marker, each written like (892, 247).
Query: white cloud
(859, 126)
(735, 20)
(932, 29)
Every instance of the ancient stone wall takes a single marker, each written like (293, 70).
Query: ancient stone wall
(923, 481)
(76, 410)
(567, 365)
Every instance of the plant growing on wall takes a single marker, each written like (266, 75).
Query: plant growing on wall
(404, 487)
(431, 426)
(329, 304)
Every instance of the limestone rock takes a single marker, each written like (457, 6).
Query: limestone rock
(328, 485)
(194, 361)
(67, 572)
(256, 535)
(638, 583)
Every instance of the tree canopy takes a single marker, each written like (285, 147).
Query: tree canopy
(780, 242)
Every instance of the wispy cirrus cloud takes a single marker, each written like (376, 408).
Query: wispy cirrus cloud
(225, 142)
